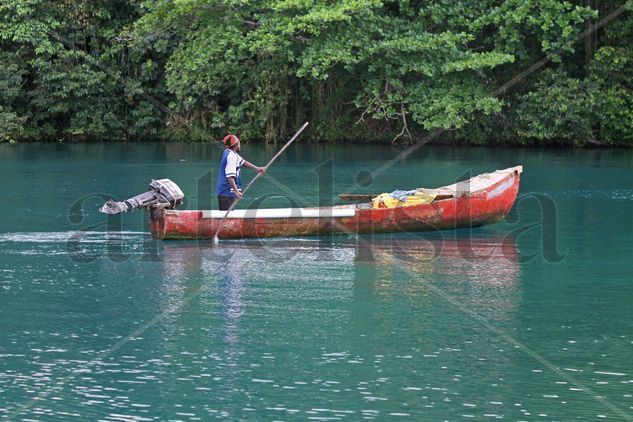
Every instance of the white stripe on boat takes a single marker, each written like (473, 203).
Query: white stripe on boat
(501, 188)
(283, 213)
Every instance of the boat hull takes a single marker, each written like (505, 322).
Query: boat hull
(478, 208)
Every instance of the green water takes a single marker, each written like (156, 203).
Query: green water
(529, 319)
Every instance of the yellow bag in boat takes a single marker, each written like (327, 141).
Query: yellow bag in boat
(385, 200)
(424, 197)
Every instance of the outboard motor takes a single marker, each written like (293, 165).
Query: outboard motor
(163, 193)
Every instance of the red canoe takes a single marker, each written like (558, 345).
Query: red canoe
(478, 201)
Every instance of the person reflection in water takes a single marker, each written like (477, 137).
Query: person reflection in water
(230, 292)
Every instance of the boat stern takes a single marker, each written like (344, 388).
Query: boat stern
(157, 223)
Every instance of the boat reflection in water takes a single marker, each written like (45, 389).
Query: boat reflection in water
(483, 270)
(483, 260)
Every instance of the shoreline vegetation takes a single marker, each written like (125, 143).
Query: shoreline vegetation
(311, 141)
(500, 73)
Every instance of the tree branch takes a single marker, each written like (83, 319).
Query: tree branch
(405, 127)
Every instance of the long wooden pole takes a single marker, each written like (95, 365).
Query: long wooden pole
(295, 136)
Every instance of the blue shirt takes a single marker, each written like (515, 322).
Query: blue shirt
(230, 166)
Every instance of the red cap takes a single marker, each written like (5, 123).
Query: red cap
(230, 140)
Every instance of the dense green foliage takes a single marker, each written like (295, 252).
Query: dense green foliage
(356, 69)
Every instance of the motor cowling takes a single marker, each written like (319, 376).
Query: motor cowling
(163, 193)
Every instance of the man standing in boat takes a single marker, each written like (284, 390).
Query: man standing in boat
(229, 185)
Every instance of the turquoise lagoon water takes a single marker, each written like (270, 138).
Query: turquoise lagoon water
(529, 319)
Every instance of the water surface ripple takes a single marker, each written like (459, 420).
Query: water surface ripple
(512, 321)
